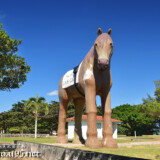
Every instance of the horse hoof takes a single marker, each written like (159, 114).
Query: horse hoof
(62, 139)
(109, 143)
(93, 143)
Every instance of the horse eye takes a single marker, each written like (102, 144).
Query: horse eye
(111, 44)
(95, 44)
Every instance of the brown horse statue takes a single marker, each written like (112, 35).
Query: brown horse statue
(91, 78)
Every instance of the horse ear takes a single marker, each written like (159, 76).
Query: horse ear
(99, 32)
(110, 31)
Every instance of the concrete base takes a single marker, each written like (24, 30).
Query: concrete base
(50, 152)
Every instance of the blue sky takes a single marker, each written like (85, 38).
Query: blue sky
(56, 36)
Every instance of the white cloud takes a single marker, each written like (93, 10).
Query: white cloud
(54, 93)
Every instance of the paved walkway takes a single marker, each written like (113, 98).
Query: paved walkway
(119, 144)
(67, 145)
(137, 143)
(129, 144)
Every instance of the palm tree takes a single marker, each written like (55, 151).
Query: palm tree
(36, 104)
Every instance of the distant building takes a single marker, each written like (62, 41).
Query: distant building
(156, 130)
(71, 126)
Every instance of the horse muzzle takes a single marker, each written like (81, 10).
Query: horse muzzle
(103, 64)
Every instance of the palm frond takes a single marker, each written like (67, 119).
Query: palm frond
(32, 99)
(28, 103)
(41, 99)
(46, 105)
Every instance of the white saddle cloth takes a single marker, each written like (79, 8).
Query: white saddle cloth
(68, 78)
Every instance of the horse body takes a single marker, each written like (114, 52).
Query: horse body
(94, 79)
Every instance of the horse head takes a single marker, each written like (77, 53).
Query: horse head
(103, 49)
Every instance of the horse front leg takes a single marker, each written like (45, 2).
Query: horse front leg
(90, 96)
(62, 121)
(108, 140)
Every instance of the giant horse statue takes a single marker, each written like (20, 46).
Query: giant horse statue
(92, 77)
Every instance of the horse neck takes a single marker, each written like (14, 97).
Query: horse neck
(90, 57)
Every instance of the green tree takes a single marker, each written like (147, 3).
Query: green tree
(49, 122)
(3, 125)
(151, 105)
(157, 91)
(22, 117)
(17, 119)
(99, 110)
(6, 121)
(150, 99)
(151, 109)
(133, 120)
(13, 68)
(35, 104)
(70, 109)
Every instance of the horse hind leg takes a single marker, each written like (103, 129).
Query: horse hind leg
(79, 104)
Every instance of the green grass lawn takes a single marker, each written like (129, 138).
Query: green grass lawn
(144, 138)
(143, 151)
(121, 139)
(38, 140)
